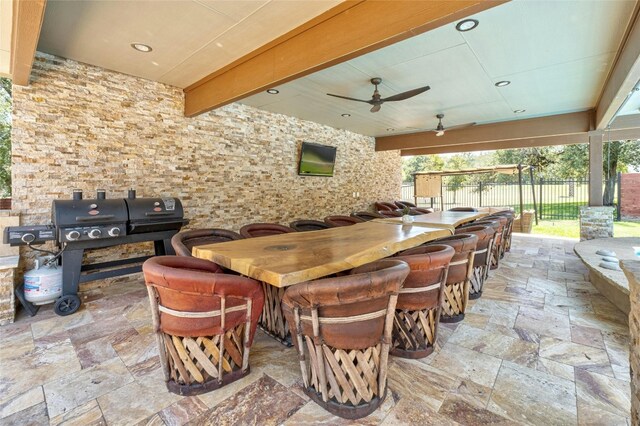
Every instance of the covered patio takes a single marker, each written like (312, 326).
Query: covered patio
(237, 150)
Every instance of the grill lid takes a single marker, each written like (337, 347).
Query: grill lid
(151, 214)
(71, 213)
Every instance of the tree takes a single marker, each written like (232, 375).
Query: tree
(5, 137)
(458, 162)
(420, 163)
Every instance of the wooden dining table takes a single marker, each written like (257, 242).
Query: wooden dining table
(446, 219)
(282, 260)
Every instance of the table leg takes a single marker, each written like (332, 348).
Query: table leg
(272, 320)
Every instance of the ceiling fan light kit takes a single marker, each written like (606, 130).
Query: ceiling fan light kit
(377, 100)
(440, 129)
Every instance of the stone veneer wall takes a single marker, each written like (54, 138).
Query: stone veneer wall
(596, 222)
(632, 271)
(630, 196)
(79, 126)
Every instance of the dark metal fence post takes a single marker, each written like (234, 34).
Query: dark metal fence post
(533, 194)
(520, 190)
(619, 203)
(540, 201)
(480, 193)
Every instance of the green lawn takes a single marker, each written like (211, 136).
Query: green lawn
(571, 228)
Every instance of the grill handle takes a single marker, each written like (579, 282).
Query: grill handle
(94, 218)
(158, 214)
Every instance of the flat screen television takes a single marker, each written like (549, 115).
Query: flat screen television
(316, 160)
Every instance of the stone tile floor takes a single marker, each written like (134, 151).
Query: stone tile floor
(541, 346)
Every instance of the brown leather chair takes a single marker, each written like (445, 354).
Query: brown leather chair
(463, 209)
(263, 229)
(308, 225)
(482, 257)
(184, 242)
(418, 309)
(341, 328)
(456, 291)
(366, 216)
(204, 320)
(508, 230)
(336, 221)
(383, 205)
(403, 204)
(390, 213)
(498, 245)
(420, 210)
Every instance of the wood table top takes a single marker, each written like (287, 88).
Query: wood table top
(287, 259)
(447, 219)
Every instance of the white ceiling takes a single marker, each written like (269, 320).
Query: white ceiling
(190, 39)
(6, 15)
(557, 55)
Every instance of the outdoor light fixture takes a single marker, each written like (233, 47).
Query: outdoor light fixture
(390, 129)
(440, 133)
(141, 47)
(502, 83)
(346, 115)
(519, 111)
(273, 91)
(467, 25)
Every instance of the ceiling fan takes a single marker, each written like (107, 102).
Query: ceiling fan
(377, 101)
(440, 129)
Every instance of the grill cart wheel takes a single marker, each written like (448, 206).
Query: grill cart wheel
(66, 305)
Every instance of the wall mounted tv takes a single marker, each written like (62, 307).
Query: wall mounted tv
(316, 160)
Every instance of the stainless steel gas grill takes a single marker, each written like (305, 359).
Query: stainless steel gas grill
(88, 224)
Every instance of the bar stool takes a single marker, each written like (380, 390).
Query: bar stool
(336, 221)
(456, 290)
(366, 216)
(342, 332)
(184, 242)
(308, 225)
(481, 258)
(253, 230)
(204, 321)
(417, 313)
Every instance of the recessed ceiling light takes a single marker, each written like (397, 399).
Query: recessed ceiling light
(390, 129)
(502, 83)
(519, 111)
(273, 91)
(141, 47)
(467, 25)
(346, 115)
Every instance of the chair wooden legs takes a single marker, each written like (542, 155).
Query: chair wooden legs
(272, 320)
(477, 281)
(414, 332)
(456, 295)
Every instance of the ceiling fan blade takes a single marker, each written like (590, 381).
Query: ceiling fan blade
(375, 108)
(460, 126)
(406, 95)
(348, 98)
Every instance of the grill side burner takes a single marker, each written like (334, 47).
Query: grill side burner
(87, 224)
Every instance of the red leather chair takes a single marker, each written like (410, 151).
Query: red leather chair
(482, 257)
(184, 242)
(336, 221)
(308, 225)
(456, 291)
(205, 322)
(341, 328)
(366, 216)
(263, 229)
(418, 309)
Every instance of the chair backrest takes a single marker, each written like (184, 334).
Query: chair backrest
(184, 242)
(421, 210)
(403, 204)
(335, 221)
(390, 213)
(384, 205)
(464, 246)
(367, 215)
(485, 234)
(195, 299)
(253, 230)
(308, 225)
(348, 312)
(463, 209)
(429, 266)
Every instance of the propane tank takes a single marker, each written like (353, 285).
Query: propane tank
(43, 284)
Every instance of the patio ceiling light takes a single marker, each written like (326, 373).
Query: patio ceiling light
(345, 115)
(390, 129)
(519, 111)
(467, 25)
(273, 91)
(141, 47)
(502, 83)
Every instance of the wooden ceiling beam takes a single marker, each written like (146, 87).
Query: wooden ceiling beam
(27, 22)
(531, 129)
(624, 75)
(351, 29)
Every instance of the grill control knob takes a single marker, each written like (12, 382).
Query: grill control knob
(95, 233)
(73, 235)
(114, 232)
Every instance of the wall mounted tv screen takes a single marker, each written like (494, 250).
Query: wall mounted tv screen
(316, 160)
